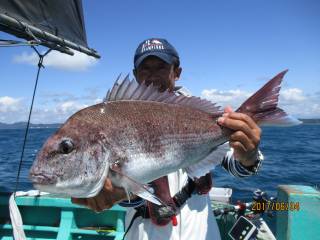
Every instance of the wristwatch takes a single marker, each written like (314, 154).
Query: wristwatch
(256, 166)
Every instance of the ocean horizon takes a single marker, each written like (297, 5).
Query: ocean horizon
(23, 124)
(292, 156)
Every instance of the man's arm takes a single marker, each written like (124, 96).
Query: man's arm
(245, 158)
(235, 168)
(107, 197)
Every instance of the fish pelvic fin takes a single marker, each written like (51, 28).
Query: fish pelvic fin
(262, 106)
(130, 185)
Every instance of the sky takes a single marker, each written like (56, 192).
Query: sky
(228, 50)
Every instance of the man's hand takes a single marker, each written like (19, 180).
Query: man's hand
(108, 196)
(246, 138)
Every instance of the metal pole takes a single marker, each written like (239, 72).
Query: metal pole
(18, 28)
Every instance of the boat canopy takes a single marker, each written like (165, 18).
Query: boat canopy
(57, 24)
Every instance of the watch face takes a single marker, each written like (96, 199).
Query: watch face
(243, 229)
(257, 163)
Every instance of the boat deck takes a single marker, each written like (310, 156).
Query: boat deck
(52, 217)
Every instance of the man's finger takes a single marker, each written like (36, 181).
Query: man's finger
(240, 125)
(79, 201)
(101, 201)
(108, 185)
(239, 136)
(93, 205)
(228, 109)
(238, 147)
(237, 125)
(243, 117)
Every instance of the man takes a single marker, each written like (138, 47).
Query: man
(156, 61)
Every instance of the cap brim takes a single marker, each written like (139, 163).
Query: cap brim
(163, 56)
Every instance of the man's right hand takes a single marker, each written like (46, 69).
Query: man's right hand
(107, 197)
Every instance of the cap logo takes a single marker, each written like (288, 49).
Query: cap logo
(152, 45)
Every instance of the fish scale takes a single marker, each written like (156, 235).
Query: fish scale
(139, 134)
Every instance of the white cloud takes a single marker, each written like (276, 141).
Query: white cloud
(57, 113)
(57, 109)
(12, 109)
(231, 98)
(78, 62)
(9, 104)
(292, 94)
(69, 107)
(15, 110)
(293, 100)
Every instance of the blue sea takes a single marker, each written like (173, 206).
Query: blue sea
(292, 156)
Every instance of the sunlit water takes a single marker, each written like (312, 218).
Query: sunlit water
(292, 156)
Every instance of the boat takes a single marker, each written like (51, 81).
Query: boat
(295, 209)
(48, 216)
(297, 213)
(53, 217)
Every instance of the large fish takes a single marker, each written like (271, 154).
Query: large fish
(139, 134)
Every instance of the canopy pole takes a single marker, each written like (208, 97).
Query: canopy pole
(40, 65)
(47, 39)
(14, 43)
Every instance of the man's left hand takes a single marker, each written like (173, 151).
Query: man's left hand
(246, 138)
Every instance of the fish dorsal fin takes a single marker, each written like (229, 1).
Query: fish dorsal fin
(126, 89)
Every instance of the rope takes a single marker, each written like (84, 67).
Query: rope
(15, 216)
(14, 43)
(40, 64)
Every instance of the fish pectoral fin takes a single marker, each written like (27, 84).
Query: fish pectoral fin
(204, 166)
(142, 190)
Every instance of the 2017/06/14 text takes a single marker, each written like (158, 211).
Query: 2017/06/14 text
(276, 206)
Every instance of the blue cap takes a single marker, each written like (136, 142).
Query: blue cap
(158, 47)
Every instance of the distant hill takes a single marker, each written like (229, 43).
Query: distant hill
(19, 125)
(310, 121)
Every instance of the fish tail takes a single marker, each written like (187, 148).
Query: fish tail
(263, 105)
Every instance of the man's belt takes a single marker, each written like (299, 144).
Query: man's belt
(162, 215)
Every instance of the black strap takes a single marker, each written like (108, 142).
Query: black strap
(179, 199)
(143, 211)
(184, 194)
(137, 214)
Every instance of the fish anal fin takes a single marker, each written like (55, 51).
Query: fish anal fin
(215, 158)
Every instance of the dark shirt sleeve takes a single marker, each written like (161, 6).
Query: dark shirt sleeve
(234, 167)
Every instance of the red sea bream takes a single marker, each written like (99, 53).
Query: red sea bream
(139, 134)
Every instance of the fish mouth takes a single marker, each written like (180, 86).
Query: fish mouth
(42, 179)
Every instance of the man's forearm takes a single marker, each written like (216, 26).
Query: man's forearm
(238, 169)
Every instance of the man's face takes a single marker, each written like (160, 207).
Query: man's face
(156, 71)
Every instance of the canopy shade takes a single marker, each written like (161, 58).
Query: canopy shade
(57, 23)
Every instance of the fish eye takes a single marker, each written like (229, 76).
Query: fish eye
(66, 146)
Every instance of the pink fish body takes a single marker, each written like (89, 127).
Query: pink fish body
(139, 134)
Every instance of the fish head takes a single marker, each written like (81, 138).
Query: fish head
(72, 162)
